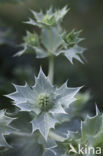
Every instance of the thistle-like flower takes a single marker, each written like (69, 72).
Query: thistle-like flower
(50, 18)
(72, 38)
(45, 101)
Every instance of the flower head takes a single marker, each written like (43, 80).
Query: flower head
(73, 38)
(44, 100)
(31, 39)
(50, 18)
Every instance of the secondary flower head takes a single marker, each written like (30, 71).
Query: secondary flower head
(73, 38)
(50, 18)
(44, 100)
(31, 39)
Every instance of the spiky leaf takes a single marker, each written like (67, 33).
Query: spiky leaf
(29, 144)
(5, 129)
(74, 53)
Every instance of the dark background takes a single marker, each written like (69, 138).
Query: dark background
(84, 14)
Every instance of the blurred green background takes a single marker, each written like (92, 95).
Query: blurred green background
(84, 14)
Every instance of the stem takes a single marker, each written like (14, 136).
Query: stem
(51, 134)
(51, 68)
(22, 134)
(56, 136)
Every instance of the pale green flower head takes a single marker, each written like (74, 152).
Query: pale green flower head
(49, 19)
(45, 101)
(73, 38)
(31, 39)
(31, 42)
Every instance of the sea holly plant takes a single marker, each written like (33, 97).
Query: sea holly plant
(52, 39)
(49, 120)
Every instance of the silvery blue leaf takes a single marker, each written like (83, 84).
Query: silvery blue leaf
(74, 53)
(5, 129)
